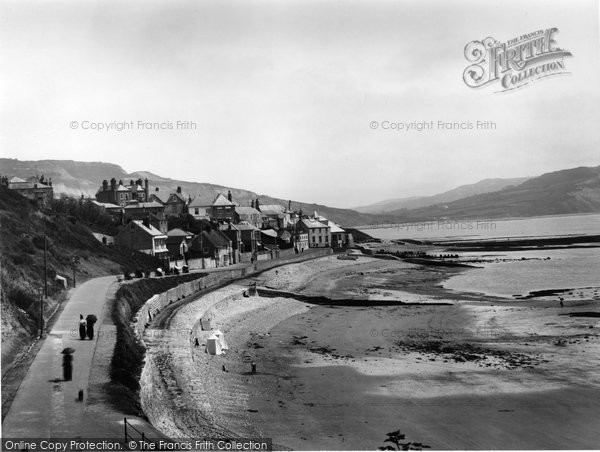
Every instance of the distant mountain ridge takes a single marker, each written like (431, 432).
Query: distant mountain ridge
(569, 191)
(464, 191)
(75, 178)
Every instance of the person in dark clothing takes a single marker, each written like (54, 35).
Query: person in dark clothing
(82, 327)
(67, 367)
(90, 319)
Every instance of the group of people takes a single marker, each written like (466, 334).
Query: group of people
(86, 326)
(86, 329)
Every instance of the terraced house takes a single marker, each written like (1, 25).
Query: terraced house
(319, 235)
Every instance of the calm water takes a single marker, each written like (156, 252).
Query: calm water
(477, 229)
(566, 268)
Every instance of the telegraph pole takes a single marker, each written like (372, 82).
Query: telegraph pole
(201, 244)
(74, 262)
(41, 315)
(45, 266)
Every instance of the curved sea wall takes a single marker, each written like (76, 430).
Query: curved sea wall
(143, 299)
(169, 354)
(165, 383)
(128, 354)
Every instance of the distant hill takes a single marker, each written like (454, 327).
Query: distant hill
(76, 178)
(464, 191)
(568, 191)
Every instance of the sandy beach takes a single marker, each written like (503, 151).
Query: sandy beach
(469, 372)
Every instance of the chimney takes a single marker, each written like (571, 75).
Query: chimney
(104, 185)
(179, 190)
(290, 205)
(252, 203)
(257, 205)
(147, 188)
(120, 181)
(229, 197)
(113, 183)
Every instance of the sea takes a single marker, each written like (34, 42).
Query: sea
(511, 273)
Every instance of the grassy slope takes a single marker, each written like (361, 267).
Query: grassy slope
(22, 229)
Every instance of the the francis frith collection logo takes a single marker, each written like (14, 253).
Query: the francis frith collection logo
(514, 63)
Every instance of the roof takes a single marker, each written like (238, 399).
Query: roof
(202, 200)
(243, 210)
(216, 238)
(272, 209)
(221, 200)
(268, 232)
(177, 195)
(106, 205)
(179, 233)
(122, 188)
(27, 185)
(151, 230)
(144, 205)
(310, 223)
(16, 179)
(284, 234)
(245, 226)
(335, 228)
(158, 196)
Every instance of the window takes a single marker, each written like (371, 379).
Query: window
(197, 211)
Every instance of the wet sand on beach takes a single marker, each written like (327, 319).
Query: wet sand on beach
(479, 373)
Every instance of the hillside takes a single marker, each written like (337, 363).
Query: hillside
(22, 228)
(77, 178)
(464, 191)
(568, 191)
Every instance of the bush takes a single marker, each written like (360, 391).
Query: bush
(26, 246)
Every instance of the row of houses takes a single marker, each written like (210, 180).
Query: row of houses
(237, 232)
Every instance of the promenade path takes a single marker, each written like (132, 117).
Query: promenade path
(45, 406)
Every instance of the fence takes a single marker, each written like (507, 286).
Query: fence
(137, 435)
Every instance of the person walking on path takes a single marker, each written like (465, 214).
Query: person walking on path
(67, 365)
(82, 327)
(90, 319)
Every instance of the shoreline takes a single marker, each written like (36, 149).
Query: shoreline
(310, 359)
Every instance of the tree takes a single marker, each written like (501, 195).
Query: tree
(396, 438)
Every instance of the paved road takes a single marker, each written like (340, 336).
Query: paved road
(45, 406)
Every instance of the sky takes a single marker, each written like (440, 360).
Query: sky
(294, 99)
